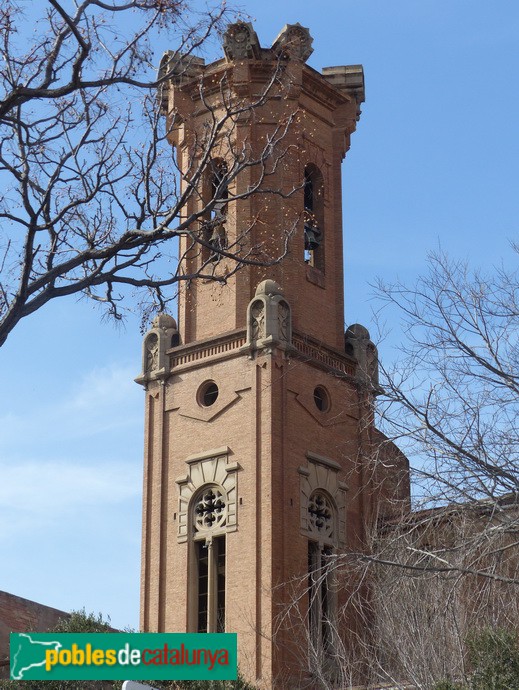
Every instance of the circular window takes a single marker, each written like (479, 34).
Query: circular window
(321, 399)
(320, 514)
(207, 394)
(210, 509)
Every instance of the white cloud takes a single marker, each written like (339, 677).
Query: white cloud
(37, 496)
(106, 386)
(106, 401)
(53, 489)
(41, 487)
(74, 459)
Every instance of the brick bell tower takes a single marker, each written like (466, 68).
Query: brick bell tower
(258, 404)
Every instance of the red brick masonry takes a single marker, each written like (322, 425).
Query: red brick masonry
(20, 615)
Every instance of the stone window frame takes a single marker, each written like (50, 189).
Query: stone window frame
(214, 509)
(211, 467)
(321, 475)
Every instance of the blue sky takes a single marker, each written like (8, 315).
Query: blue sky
(435, 161)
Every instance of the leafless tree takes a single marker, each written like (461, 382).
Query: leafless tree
(434, 580)
(93, 201)
(433, 572)
(409, 602)
(452, 400)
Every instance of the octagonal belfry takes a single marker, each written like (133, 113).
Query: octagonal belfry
(259, 407)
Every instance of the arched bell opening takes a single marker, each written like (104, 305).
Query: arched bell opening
(313, 215)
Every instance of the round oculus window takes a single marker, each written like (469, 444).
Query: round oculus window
(207, 394)
(321, 399)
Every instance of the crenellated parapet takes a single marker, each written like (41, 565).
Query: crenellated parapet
(186, 81)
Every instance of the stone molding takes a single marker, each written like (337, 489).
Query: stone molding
(294, 41)
(269, 319)
(156, 343)
(321, 475)
(317, 353)
(240, 42)
(190, 355)
(232, 344)
(215, 470)
(349, 79)
(358, 343)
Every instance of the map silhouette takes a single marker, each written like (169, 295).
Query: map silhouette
(25, 641)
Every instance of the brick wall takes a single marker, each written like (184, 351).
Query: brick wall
(22, 615)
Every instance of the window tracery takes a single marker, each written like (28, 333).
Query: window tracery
(207, 513)
(322, 522)
(208, 521)
(321, 597)
(323, 501)
(321, 516)
(211, 470)
(210, 510)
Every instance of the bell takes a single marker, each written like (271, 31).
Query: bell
(216, 238)
(218, 241)
(312, 237)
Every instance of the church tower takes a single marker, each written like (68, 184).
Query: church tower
(259, 407)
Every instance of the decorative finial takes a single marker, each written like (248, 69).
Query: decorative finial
(294, 41)
(240, 42)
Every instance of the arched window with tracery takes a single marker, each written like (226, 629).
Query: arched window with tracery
(209, 513)
(322, 532)
(215, 231)
(314, 217)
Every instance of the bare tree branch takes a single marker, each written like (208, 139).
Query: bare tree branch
(93, 198)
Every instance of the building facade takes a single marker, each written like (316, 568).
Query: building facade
(23, 615)
(259, 405)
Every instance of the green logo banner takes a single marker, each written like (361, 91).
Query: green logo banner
(124, 656)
